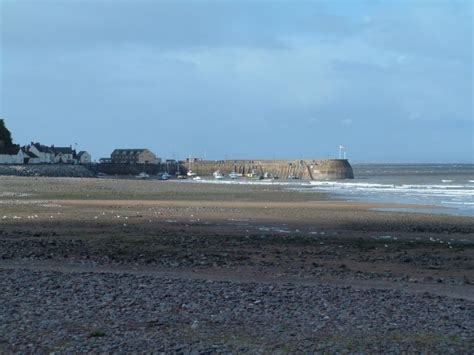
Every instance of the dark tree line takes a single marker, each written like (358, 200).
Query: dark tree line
(5, 136)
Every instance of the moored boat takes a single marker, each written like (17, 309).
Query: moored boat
(235, 175)
(142, 176)
(218, 175)
(165, 176)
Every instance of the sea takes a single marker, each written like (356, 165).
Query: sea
(447, 187)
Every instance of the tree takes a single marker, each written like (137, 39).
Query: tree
(5, 136)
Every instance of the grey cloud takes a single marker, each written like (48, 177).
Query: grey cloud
(45, 25)
(215, 79)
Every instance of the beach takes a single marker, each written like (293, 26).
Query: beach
(122, 265)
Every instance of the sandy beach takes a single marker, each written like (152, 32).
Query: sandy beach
(120, 265)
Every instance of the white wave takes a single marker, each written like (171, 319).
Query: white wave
(399, 190)
(436, 186)
(248, 182)
(458, 203)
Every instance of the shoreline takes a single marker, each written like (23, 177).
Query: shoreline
(168, 266)
(294, 186)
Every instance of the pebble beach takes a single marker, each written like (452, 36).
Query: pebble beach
(104, 265)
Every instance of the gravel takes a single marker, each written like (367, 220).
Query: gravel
(51, 170)
(49, 311)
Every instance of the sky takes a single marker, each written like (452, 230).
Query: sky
(392, 81)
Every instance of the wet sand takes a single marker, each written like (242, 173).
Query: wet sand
(247, 235)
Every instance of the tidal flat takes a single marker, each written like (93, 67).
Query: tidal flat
(117, 265)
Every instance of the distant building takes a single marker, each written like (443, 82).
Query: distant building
(134, 156)
(83, 157)
(105, 160)
(12, 155)
(193, 160)
(45, 154)
(30, 157)
(64, 155)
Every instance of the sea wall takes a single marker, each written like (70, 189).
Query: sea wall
(52, 170)
(135, 169)
(330, 169)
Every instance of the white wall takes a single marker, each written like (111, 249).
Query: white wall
(44, 157)
(12, 159)
(85, 158)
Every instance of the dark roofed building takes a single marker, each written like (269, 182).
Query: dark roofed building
(63, 150)
(83, 157)
(30, 157)
(63, 155)
(42, 148)
(12, 155)
(44, 153)
(133, 156)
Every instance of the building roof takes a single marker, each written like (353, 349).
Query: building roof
(42, 148)
(131, 152)
(81, 153)
(11, 150)
(30, 154)
(62, 150)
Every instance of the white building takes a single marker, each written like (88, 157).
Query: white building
(83, 157)
(64, 155)
(12, 156)
(45, 154)
(30, 157)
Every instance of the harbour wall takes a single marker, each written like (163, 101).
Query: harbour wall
(329, 169)
(172, 168)
(49, 170)
(332, 169)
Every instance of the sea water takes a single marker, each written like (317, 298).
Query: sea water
(449, 187)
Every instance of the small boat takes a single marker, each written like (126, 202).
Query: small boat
(197, 178)
(190, 173)
(218, 175)
(165, 176)
(253, 175)
(234, 175)
(142, 176)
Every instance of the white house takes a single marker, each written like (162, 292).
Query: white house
(44, 153)
(30, 157)
(83, 157)
(13, 155)
(63, 155)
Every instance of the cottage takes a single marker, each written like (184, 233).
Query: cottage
(12, 155)
(30, 157)
(134, 156)
(83, 157)
(64, 155)
(45, 154)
